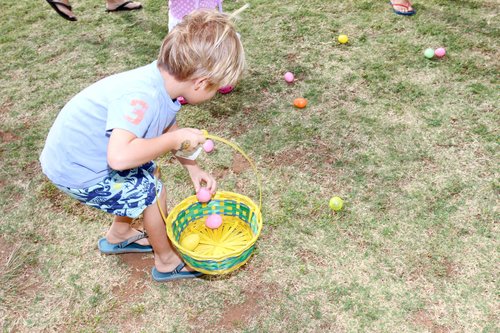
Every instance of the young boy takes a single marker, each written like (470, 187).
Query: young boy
(101, 146)
(178, 9)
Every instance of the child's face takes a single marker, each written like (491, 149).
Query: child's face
(199, 92)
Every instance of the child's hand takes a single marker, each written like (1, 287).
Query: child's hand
(198, 176)
(188, 138)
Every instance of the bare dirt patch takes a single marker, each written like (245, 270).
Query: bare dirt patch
(220, 173)
(5, 250)
(308, 256)
(8, 137)
(440, 268)
(60, 202)
(236, 315)
(32, 169)
(450, 268)
(6, 106)
(240, 164)
(139, 267)
(423, 319)
(256, 294)
(321, 155)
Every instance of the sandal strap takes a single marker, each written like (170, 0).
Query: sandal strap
(57, 3)
(179, 268)
(123, 5)
(132, 239)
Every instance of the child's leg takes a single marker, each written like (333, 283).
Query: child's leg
(172, 21)
(121, 230)
(166, 258)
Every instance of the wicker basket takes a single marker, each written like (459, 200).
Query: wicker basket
(226, 248)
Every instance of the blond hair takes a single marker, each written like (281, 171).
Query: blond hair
(204, 44)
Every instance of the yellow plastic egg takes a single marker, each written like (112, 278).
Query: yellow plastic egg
(190, 242)
(343, 39)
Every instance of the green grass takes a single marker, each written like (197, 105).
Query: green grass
(410, 144)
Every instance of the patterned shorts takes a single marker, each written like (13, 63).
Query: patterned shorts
(122, 193)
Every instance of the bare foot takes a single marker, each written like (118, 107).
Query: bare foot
(117, 236)
(63, 9)
(170, 264)
(112, 5)
(403, 6)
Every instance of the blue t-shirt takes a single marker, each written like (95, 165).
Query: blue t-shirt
(75, 153)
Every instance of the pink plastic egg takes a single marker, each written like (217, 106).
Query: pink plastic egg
(213, 221)
(182, 100)
(440, 52)
(289, 77)
(203, 195)
(208, 146)
(226, 89)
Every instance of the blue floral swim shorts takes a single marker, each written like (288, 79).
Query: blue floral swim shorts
(122, 193)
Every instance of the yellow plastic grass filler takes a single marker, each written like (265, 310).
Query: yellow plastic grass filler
(228, 247)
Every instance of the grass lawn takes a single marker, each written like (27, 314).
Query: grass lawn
(410, 144)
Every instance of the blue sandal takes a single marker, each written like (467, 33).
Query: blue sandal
(127, 246)
(176, 274)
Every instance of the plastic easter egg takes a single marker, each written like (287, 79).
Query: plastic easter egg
(203, 195)
(190, 242)
(429, 53)
(213, 221)
(226, 89)
(182, 100)
(343, 39)
(440, 52)
(208, 146)
(289, 77)
(336, 203)
(300, 102)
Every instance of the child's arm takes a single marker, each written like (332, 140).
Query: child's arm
(197, 174)
(127, 151)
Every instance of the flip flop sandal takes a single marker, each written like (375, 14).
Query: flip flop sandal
(409, 13)
(123, 7)
(55, 3)
(127, 246)
(176, 274)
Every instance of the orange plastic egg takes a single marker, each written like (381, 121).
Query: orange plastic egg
(300, 102)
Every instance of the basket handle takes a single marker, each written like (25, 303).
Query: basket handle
(235, 147)
(239, 150)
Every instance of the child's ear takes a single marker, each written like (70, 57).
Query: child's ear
(201, 82)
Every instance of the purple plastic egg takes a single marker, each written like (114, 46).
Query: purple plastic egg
(289, 77)
(203, 195)
(213, 221)
(208, 146)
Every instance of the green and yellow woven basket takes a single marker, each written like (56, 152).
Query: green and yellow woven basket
(226, 248)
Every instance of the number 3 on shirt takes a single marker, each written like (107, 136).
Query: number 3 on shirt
(136, 114)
